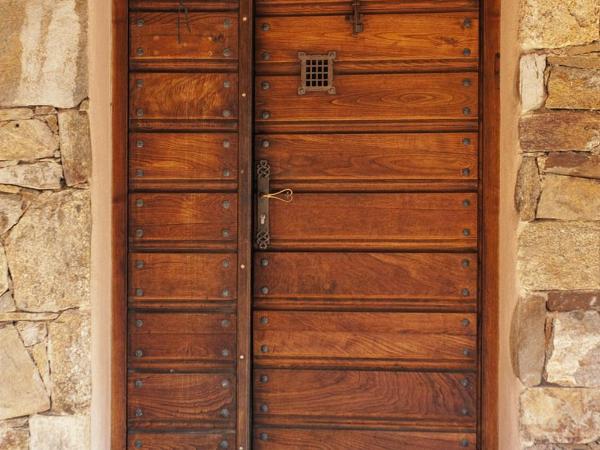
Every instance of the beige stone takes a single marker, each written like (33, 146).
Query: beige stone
(528, 189)
(531, 85)
(577, 164)
(39, 354)
(575, 354)
(7, 303)
(569, 198)
(14, 435)
(44, 110)
(43, 58)
(4, 282)
(15, 114)
(40, 175)
(560, 131)
(573, 300)
(32, 333)
(26, 316)
(59, 432)
(558, 23)
(11, 210)
(590, 61)
(49, 253)
(528, 339)
(75, 146)
(26, 140)
(21, 389)
(558, 255)
(572, 88)
(70, 365)
(564, 415)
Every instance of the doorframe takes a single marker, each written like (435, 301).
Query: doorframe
(488, 224)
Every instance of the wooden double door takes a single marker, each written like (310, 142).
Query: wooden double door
(304, 203)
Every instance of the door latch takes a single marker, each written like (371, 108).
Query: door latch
(356, 18)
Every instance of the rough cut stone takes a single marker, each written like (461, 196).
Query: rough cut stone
(560, 131)
(41, 175)
(15, 114)
(75, 146)
(528, 189)
(577, 164)
(564, 415)
(43, 58)
(59, 432)
(528, 339)
(575, 356)
(7, 302)
(11, 210)
(592, 446)
(4, 283)
(569, 198)
(26, 316)
(531, 87)
(573, 300)
(39, 354)
(44, 110)
(558, 23)
(21, 389)
(26, 140)
(32, 333)
(70, 365)
(14, 435)
(49, 253)
(589, 61)
(572, 88)
(558, 255)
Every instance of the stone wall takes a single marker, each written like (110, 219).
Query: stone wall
(45, 225)
(556, 327)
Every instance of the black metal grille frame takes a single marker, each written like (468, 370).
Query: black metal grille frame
(316, 73)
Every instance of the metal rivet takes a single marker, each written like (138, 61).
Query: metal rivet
(466, 203)
(139, 232)
(226, 113)
(139, 412)
(466, 111)
(224, 412)
(140, 22)
(244, 19)
(264, 348)
(264, 408)
(467, 232)
(244, 94)
(225, 352)
(467, 52)
(263, 437)
(465, 322)
(139, 83)
(139, 323)
(266, 27)
(466, 82)
(467, 141)
(139, 292)
(464, 443)
(139, 383)
(139, 264)
(226, 84)
(227, 23)
(264, 262)
(265, 85)
(265, 115)
(225, 383)
(465, 412)
(226, 204)
(139, 353)
(467, 23)
(264, 290)
(466, 172)
(466, 263)
(224, 444)
(139, 173)
(266, 56)
(241, 356)
(264, 320)
(225, 232)
(138, 444)
(139, 203)
(226, 143)
(464, 382)
(140, 112)
(465, 292)
(226, 172)
(264, 379)
(225, 292)
(225, 323)
(265, 143)
(466, 352)
(140, 51)
(225, 263)
(227, 52)
(140, 144)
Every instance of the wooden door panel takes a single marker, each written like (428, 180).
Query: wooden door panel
(164, 279)
(173, 5)
(177, 339)
(183, 161)
(365, 280)
(182, 96)
(321, 162)
(209, 440)
(365, 339)
(158, 400)
(183, 220)
(335, 439)
(364, 398)
(162, 38)
(364, 98)
(387, 39)
(392, 221)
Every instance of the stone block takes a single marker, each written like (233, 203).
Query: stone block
(578, 164)
(573, 300)
(528, 188)
(26, 140)
(11, 210)
(569, 198)
(573, 88)
(14, 435)
(4, 282)
(41, 175)
(528, 339)
(75, 146)
(560, 131)
(32, 333)
(15, 114)
(59, 432)
(7, 303)
(531, 83)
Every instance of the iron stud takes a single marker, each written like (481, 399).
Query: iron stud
(139, 383)
(138, 444)
(265, 143)
(140, 22)
(467, 141)
(264, 379)
(264, 290)
(139, 173)
(139, 412)
(139, 292)
(139, 232)
(466, 82)
(140, 51)
(140, 144)
(264, 408)
(264, 262)
(226, 143)
(225, 323)
(227, 23)
(466, 172)
(225, 352)
(227, 52)
(465, 292)
(225, 383)
(266, 56)
(226, 113)
(464, 443)
(265, 85)
(140, 112)
(266, 27)
(465, 382)
(466, 203)
(225, 292)
(224, 444)
(139, 83)
(467, 232)
(464, 412)
(263, 436)
(466, 111)
(225, 232)
(467, 23)
(264, 348)
(465, 322)
(226, 172)
(466, 263)
(264, 320)
(265, 115)
(139, 323)
(139, 264)
(226, 204)
(467, 52)
(139, 353)
(226, 263)
(466, 352)
(224, 412)
(139, 203)
(226, 84)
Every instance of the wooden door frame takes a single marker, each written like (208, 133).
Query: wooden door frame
(489, 171)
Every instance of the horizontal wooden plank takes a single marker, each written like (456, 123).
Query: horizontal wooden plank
(183, 161)
(182, 220)
(182, 96)
(335, 439)
(172, 397)
(365, 280)
(364, 398)
(197, 37)
(318, 162)
(181, 339)
(174, 278)
(375, 97)
(386, 38)
(365, 339)
(191, 5)
(209, 440)
(375, 221)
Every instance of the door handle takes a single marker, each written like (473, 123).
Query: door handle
(263, 175)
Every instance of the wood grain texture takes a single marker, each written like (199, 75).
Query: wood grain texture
(365, 339)
(364, 281)
(192, 5)
(375, 221)
(365, 398)
(183, 220)
(361, 162)
(183, 161)
(363, 98)
(175, 340)
(209, 440)
(335, 439)
(175, 278)
(172, 397)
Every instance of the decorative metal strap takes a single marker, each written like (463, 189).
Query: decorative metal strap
(182, 9)
(263, 173)
(356, 18)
